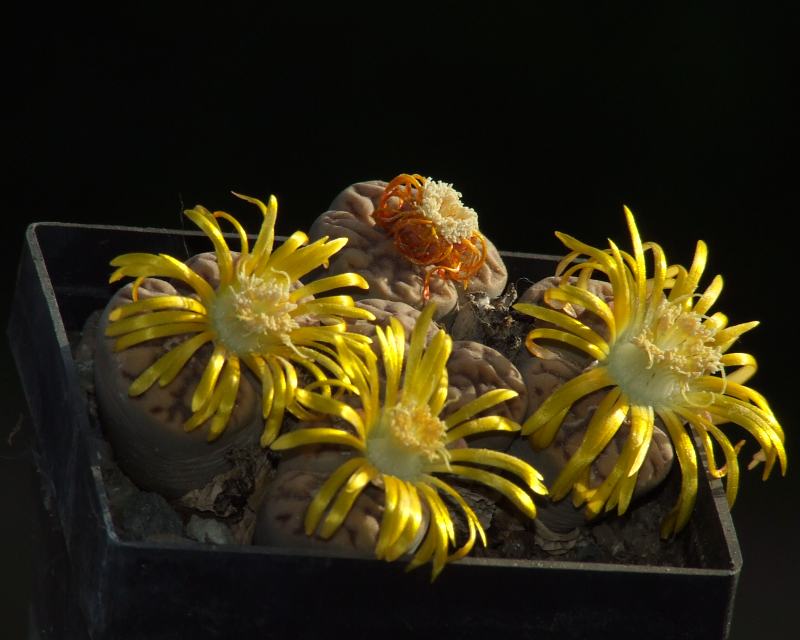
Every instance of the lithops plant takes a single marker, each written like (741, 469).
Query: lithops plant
(661, 356)
(475, 369)
(383, 312)
(401, 446)
(472, 371)
(147, 430)
(171, 349)
(300, 475)
(413, 241)
(542, 376)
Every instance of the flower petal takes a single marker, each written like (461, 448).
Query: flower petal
(592, 350)
(564, 397)
(604, 424)
(511, 491)
(159, 331)
(169, 365)
(481, 425)
(328, 283)
(329, 406)
(316, 435)
(328, 490)
(346, 498)
(208, 381)
(532, 478)
(473, 407)
(571, 325)
(679, 515)
(209, 225)
(155, 304)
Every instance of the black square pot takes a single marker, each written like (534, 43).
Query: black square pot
(120, 589)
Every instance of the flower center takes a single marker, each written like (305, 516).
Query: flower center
(252, 314)
(442, 205)
(405, 439)
(659, 361)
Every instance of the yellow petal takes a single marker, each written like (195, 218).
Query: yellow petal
(642, 423)
(565, 322)
(604, 424)
(410, 532)
(345, 499)
(761, 425)
(731, 469)
(155, 304)
(421, 382)
(148, 265)
(659, 279)
(726, 337)
(544, 435)
(266, 235)
(747, 366)
(392, 362)
(709, 296)
(394, 515)
(685, 287)
(159, 331)
(592, 350)
(289, 247)
(566, 395)
(439, 397)
(321, 307)
(640, 271)
(208, 225)
(577, 296)
(169, 365)
(328, 283)
(327, 491)
(210, 407)
(244, 249)
(679, 515)
(282, 396)
(329, 406)
(311, 356)
(473, 524)
(617, 488)
(511, 491)
(316, 435)
(308, 258)
(440, 529)
(599, 256)
(205, 387)
(229, 389)
(418, 337)
(621, 283)
(512, 464)
(481, 425)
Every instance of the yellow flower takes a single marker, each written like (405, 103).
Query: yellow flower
(660, 358)
(401, 443)
(257, 315)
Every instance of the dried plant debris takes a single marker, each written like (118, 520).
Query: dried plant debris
(490, 321)
(629, 539)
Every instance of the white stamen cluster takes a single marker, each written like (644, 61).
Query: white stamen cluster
(407, 438)
(441, 203)
(253, 313)
(661, 359)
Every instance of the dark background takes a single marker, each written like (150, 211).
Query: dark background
(547, 116)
